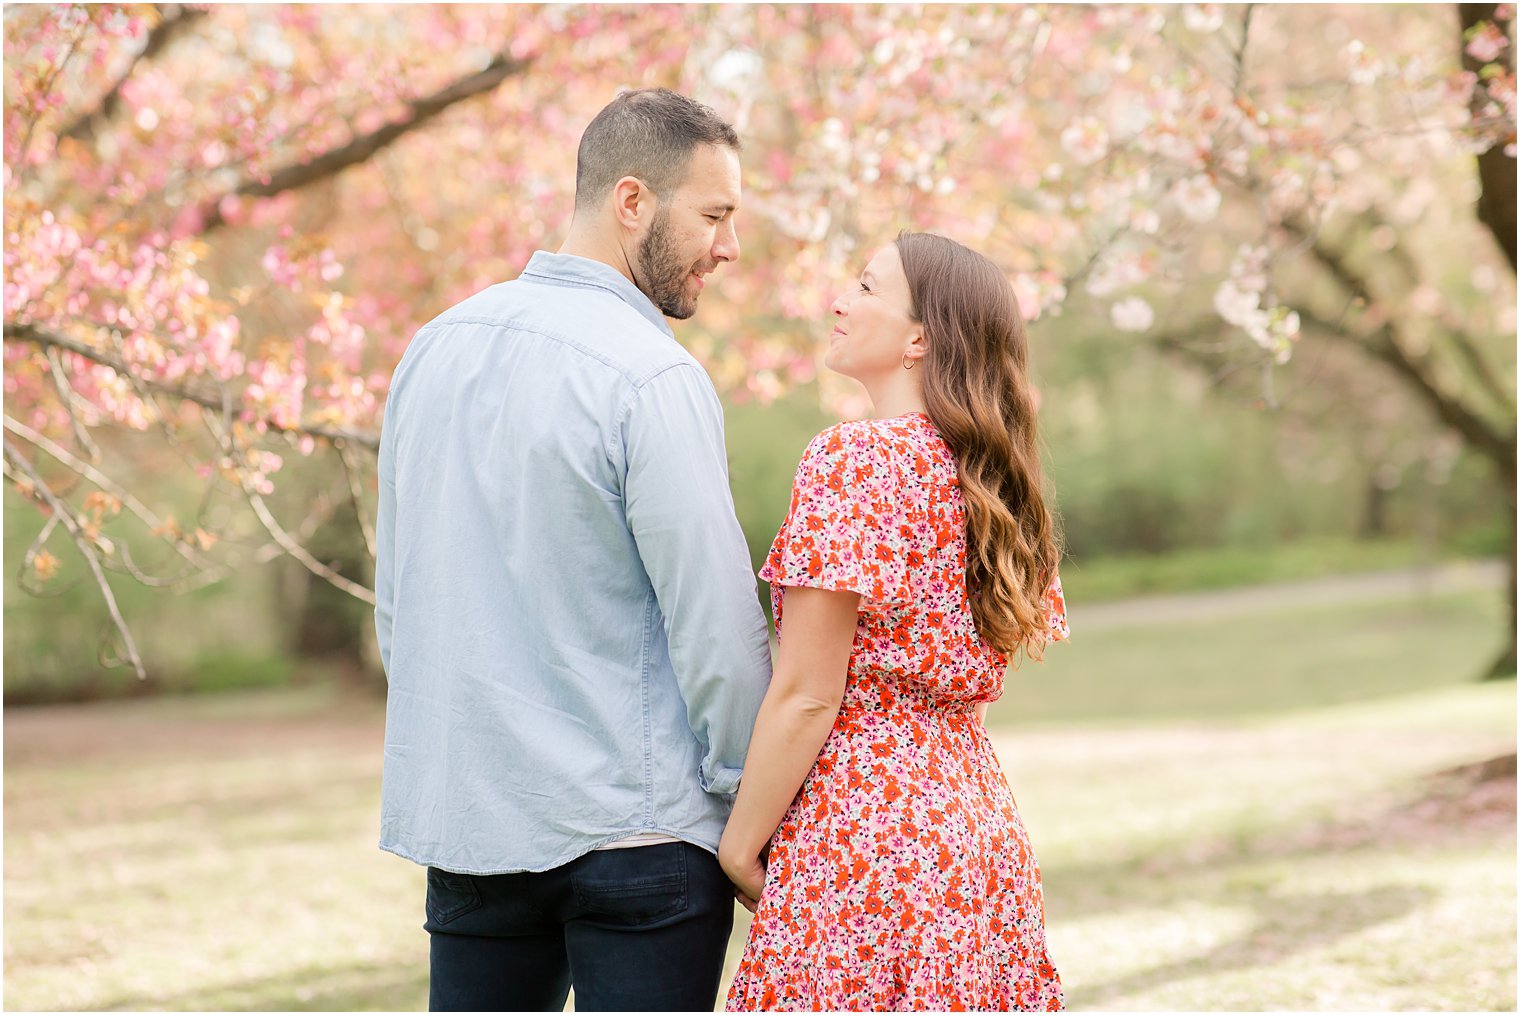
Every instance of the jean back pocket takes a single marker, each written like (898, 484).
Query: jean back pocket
(633, 886)
(450, 896)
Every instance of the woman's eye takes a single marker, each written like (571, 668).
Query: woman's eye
(863, 287)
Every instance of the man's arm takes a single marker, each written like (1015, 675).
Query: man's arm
(681, 514)
(385, 545)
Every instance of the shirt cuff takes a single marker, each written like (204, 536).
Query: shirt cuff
(723, 782)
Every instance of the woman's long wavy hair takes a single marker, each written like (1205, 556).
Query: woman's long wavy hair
(977, 394)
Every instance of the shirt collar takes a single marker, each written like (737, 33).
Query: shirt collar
(570, 269)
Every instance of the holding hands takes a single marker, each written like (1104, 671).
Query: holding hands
(746, 869)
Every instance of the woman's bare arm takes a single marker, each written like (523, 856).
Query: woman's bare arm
(806, 689)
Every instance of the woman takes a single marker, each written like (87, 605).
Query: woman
(917, 558)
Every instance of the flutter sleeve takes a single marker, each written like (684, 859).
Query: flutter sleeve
(844, 530)
(1055, 610)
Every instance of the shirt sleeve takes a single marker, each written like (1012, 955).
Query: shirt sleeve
(844, 530)
(385, 543)
(681, 514)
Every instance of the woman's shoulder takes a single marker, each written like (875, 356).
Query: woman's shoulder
(898, 450)
(874, 438)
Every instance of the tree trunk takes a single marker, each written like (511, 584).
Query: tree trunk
(1374, 522)
(1496, 210)
(1496, 170)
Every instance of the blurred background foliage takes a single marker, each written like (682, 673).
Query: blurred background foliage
(1165, 480)
(1128, 166)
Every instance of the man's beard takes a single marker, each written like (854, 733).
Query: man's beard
(662, 276)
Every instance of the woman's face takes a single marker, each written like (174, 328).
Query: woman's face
(872, 326)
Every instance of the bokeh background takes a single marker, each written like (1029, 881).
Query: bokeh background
(1268, 256)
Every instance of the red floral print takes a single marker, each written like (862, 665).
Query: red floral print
(901, 876)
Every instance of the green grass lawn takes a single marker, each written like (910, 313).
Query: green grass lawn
(1277, 657)
(1241, 813)
(1103, 579)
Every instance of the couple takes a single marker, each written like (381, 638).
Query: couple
(585, 742)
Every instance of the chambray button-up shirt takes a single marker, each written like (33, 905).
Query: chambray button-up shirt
(566, 613)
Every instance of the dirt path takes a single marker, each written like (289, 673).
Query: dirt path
(1409, 582)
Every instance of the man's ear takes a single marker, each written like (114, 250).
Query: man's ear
(632, 202)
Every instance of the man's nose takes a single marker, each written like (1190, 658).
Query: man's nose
(726, 245)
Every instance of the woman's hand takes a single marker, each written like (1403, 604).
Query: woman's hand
(748, 875)
(800, 708)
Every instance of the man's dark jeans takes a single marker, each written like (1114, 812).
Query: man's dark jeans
(637, 929)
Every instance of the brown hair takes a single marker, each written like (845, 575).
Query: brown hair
(977, 394)
(649, 133)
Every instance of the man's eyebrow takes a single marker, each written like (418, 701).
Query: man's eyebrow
(723, 208)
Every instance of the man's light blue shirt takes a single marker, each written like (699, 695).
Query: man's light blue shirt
(567, 617)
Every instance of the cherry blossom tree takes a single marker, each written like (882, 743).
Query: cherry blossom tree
(224, 223)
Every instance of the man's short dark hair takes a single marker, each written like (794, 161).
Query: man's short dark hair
(649, 133)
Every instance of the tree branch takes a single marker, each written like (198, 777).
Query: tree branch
(1240, 50)
(356, 494)
(1467, 349)
(142, 511)
(300, 553)
(331, 163)
(321, 512)
(1384, 346)
(31, 555)
(1478, 366)
(71, 525)
(175, 18)
(66, 396)
(203, 395)
(278, 533)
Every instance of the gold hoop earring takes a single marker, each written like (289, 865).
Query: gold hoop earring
(907, 363)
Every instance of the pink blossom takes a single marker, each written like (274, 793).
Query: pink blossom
(1486, 43)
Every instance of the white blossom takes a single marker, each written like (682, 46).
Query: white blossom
(1086, 141)
(1238, 306)
(1202, 18)
(1197, 198)
(1132, 314)
(735, 70)
(1114, 272)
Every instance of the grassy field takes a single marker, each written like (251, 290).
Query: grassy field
(1279, 654)
(1243, 813)
(1114, 576)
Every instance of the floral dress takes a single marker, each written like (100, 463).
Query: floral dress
(901, 876)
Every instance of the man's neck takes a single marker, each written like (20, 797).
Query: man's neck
(583, 242)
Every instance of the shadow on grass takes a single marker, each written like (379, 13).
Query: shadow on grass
(1286, 924)
(363, 986)
(1447, 807)
(1244, 873)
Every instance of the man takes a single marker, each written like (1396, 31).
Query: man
(564, 602)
